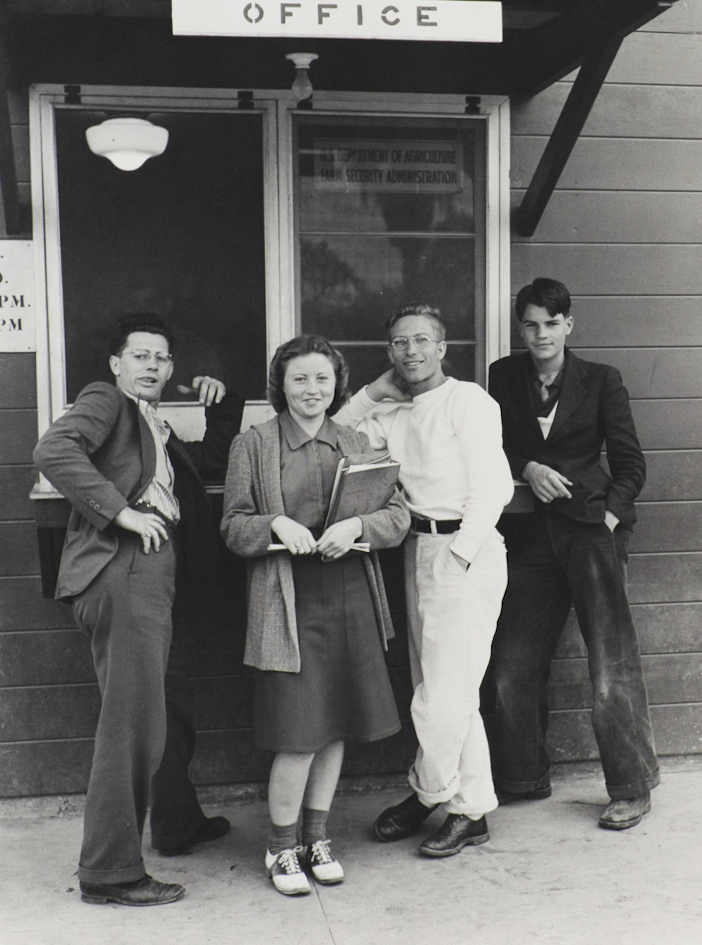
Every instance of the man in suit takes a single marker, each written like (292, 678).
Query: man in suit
(557, 412)
(137, 498)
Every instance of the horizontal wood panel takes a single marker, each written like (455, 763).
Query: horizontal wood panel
(33, 769)
(653, 372)
(621, 111)
(18, 548)
(657, 58)
(677, 730)
(662, 628)
(670, 678)
(668, 424)
(604, 216)
(229, 757)
(71, 711)
(615, 164)
(48, 712)
(629, 321)
(23, 608)
(45, 658)
(666, 577)
(18, 381)
(18, 436)
(668, 526)
(15, 485)
(595, 269)
(673, 474)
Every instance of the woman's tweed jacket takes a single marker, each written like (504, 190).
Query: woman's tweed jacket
(252, 499)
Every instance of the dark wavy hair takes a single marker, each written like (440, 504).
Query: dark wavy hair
(298, 348)
(543, 293)
(420, 308)
(145, 321)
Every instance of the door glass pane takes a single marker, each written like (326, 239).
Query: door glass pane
(182, 237)
(390, 211)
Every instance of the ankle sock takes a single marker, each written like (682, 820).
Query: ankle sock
(282, 837)
(314, 825)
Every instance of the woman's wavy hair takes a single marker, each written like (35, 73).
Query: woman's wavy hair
(298, 348)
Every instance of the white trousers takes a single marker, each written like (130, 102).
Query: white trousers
(451, 616)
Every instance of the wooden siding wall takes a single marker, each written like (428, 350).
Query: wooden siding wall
(49, 700)
(624, 231)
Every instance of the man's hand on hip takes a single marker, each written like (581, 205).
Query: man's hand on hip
(147, 524)
(546, 483)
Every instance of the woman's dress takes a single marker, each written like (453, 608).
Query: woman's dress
(342, 690)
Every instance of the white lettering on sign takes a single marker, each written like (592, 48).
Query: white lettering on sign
(417, 167)
(475, 21)
(17, 331)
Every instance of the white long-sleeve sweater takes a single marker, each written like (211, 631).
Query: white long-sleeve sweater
(449, 444)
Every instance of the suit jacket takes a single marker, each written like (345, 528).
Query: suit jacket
(101, 456)
(252, 499)
(593, 411)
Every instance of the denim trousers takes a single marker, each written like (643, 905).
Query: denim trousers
(564, 562)
(126, 611)
(451, 615)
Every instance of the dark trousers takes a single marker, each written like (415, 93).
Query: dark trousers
(564, 562)
(126, 611)
(175, 810)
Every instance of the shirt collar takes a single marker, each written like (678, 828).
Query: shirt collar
(558, 379)
(297, 437)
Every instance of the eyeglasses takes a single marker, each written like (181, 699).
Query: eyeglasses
(420, 341)
(143, 357)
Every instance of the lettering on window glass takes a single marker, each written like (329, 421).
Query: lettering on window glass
(421, 167)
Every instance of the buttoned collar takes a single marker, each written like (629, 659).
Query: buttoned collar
(297, 437)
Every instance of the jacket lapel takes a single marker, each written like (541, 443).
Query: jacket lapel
(572, 393)
(269, 468)
(523, 405)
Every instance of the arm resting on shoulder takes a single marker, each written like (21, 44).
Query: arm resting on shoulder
(223, 420)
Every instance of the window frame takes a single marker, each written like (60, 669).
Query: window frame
(278, 108)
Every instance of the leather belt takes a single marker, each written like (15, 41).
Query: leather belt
(432, 527)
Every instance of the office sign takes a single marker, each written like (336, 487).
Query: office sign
(392, 166)
(466, 21)
(17, 331)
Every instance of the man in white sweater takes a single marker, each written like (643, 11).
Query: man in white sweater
(447, 436)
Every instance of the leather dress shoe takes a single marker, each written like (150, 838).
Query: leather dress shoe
(541, 791)
(625, 812)
(144, 892)
(212, 828)
(402, 820)
(457, 831)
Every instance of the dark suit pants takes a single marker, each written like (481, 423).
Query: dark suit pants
(176, 814)
(126, 611)
(566, 562)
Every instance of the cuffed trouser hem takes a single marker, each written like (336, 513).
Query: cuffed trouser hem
(636, 789)
(128, 874)
(432, 798)
(520, 787)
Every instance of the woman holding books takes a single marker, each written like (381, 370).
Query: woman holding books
(318, 618)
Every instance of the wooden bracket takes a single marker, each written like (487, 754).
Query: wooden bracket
(562, 141)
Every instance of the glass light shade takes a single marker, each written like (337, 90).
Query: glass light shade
(127, 142)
